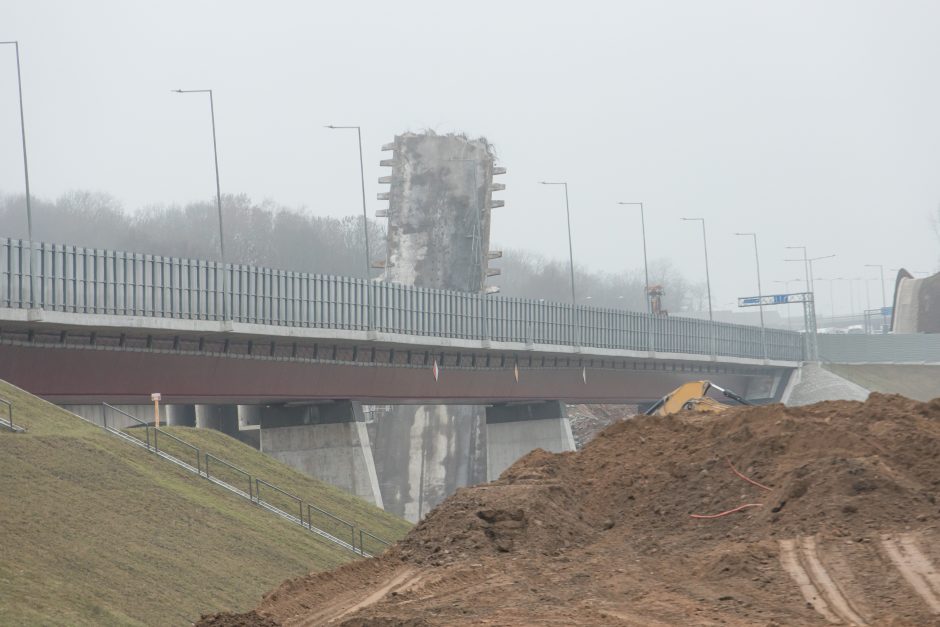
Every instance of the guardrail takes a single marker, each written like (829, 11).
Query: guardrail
(254, 484)
(94, 281)
(8, 422)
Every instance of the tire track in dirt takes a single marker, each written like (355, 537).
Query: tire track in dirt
(915, 567)
(401, 580)
(800, 558)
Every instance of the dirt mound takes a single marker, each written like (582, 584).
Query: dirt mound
(633, 529)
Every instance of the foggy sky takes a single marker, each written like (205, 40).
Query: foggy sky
(808, 122)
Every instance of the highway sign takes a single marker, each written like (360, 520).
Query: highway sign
(775, 299)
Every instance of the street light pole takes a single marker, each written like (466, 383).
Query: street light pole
(884, 300)
(29, 211)
(760, 293)
(708, 281)
(646, 267)
(362, 178)
(570, 247)
(805, 261)
(218, 195)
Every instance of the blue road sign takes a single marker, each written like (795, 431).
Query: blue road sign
(774, 299)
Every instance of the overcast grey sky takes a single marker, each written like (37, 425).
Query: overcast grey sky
(809, 122)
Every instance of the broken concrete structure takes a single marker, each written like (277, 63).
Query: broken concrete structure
(440, 198)
(916, 304)
(440, 202)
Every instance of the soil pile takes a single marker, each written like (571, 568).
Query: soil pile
(607, 535)
(589, 420)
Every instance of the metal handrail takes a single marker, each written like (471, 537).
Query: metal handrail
(9, 406)
(300, 502)
(157, 430)
(104, 416)
(374, 537)
(233, 467)
(352, 527)
(253, 495)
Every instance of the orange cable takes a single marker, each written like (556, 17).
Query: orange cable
(748, 479)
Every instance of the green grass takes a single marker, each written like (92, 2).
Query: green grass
(94, 531)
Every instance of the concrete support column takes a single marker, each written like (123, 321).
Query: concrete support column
(423, 453)
(249, 417)
(181, 415)
(222, 418)
(513, 430)
(327, 441)
(96, 414)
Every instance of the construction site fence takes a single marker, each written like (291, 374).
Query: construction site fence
(97, 281)
(334, 526)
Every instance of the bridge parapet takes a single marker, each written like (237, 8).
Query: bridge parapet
(80, 280)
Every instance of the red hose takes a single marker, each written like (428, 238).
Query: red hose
(748, 479)
(730, 511)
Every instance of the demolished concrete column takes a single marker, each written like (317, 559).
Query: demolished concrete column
(327, 441)
(440, 198)
(514, 430)
(423, 453)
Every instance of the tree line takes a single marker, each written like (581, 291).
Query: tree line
(273, 235)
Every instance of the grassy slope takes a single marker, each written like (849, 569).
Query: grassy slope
(95, 531)
(326, 497)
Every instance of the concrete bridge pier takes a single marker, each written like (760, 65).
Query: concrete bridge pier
(328, 441)
(96, 414)
(515, 429)
(222, 418)
(181, 415)
(423, 453)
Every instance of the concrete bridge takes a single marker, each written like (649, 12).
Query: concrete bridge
(301, 351)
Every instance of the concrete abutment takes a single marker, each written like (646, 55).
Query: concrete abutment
(514, 430)
(328, 441)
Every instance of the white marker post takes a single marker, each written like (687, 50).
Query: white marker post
(155, 397)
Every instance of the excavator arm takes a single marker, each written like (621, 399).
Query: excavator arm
(692, 396)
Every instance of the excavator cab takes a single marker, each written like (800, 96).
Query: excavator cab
(693, 396)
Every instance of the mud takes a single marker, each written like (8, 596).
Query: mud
(843, 527)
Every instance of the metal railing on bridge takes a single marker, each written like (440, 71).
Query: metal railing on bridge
(96, 281)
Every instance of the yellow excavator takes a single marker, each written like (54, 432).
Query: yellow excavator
(693, 396)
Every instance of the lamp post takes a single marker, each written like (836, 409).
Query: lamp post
(29, 211)
(362, 178)
(851, 283)
(810, 283)
(570, 247)
(218, 194)
(884, 300)
(760, 293)
(832, 306)
(708, 282)
(646, 267)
